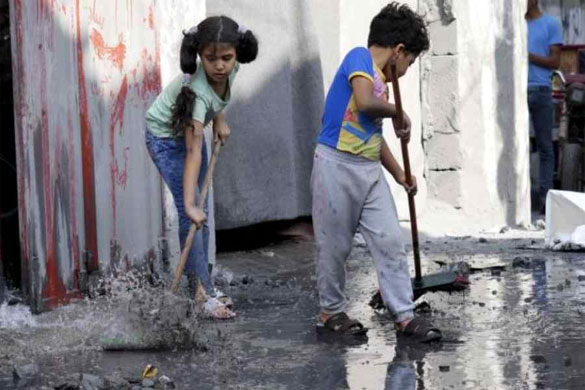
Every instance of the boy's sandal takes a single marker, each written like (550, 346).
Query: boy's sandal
(340, 323)
(214, 309)
(223, 298)
(421, 329)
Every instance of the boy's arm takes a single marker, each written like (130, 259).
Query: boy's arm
(193, 144)
(392, 166)
(363, 91)
(366, 102)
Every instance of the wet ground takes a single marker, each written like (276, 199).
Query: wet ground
(518, 327)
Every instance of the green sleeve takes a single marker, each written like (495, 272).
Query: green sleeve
(200, 109)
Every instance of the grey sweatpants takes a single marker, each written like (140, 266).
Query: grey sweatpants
(351, 191)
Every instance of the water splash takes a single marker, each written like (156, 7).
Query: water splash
(16, 317)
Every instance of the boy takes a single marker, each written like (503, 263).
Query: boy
(348, 185)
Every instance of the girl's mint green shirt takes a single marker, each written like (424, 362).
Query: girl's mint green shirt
(207, 103)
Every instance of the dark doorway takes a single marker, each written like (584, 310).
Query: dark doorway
(9, 231)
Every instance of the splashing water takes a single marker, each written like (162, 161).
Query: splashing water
(16, 316)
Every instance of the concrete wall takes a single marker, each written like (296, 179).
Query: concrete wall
(475, 126)
(263, 172)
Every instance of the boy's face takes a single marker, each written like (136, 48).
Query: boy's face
(402, 59)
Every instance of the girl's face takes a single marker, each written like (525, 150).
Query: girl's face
(218, 61)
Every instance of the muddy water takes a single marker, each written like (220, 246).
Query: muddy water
(515, 328)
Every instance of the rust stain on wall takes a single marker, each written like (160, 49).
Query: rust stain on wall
(115, 54)
(86, 153)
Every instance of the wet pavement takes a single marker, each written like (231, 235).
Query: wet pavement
(519, 326)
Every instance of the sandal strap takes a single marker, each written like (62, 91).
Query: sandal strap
(419, 326)
(341, 322)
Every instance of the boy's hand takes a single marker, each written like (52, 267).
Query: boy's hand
(222, 132)
(403, 133)
(410, 190)
(196, 214)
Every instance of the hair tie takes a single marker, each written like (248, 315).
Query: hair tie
(193, 30)
(242, 29)
(186, 78)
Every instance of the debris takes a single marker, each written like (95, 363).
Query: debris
(483, 240)
(568, 361)
(423, 308)
(149, 372)
(92, 382)
(505, 229)
(521, 262)
(166, 382)
(494, 292)
(267, 253)
(27, 375)
(528, 299)
(540, 224)
(246, 279)
(148, 383)
(538, 359)
(496, 272)
(581, 278)
(444, 368)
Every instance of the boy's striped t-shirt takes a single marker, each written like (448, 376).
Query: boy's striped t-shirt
(344, 127)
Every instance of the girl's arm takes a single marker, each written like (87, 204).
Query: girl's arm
(221, 130)
(193, 143)
(392, 166)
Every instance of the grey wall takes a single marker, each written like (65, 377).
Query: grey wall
(263, 172)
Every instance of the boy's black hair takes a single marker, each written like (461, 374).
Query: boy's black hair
(397, 24)
(212, 30)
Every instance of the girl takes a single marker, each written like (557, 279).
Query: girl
(174, 135)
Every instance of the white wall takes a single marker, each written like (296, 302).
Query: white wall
(475, 116)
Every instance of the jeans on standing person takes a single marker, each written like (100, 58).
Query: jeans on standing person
(540, 106)
(168, 155)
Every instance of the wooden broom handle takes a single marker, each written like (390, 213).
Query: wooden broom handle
(408, 174)
(193, 228)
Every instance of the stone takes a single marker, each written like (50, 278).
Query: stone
(444, 368)
(539, 359)
(166, 382)
(26, 375)
(505, 229)
(443, 152)
(568, 362)
(482, 240)
(521, 262)
(92, 382)
(148, 383)
(581, 278)
(445, 186)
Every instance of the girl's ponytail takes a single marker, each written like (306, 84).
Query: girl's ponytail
(247, 48)
(182, 110)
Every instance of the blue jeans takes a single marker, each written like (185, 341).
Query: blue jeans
(168, 155)
(540, 106)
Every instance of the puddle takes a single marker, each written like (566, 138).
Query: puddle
(518, 328)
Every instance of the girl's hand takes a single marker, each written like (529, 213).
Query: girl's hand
(222, 132)
(410, 190)
(403, 133)
(197, 215)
